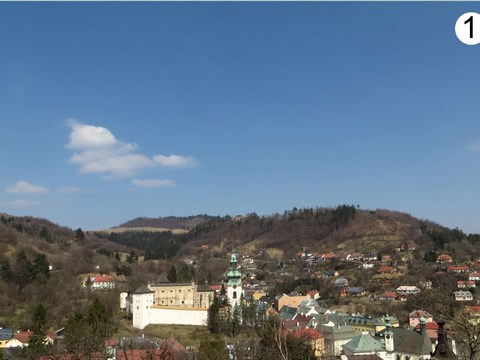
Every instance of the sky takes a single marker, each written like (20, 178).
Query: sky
(114, 110)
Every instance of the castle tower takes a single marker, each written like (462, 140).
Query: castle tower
(389, 346)
(234, 282)
(142, 301)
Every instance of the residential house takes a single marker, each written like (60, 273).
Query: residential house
(415, 316)
(341, 281)
(407, 290)
(355, 291)
(474, 276)
(463, 295)
(335, 336)
(19, 339)
(386, 270)
(100, 282)
(354, 257)
(5, 335)
(431, 329)
(388, 296)
(457, 269)
(287, 312)
(293, 301)
(462, 284)
(444, 258)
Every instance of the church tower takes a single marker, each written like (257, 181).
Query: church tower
(234, 282)
(388, 335)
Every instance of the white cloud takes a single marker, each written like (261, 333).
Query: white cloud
(175, 160)
(69, 189)
(88, 136)
(151, 183)
(21, 204)
(99, 152)
(24, 187)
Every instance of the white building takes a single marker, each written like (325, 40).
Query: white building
(164, 302)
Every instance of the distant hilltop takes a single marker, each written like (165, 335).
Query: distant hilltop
(169, 222)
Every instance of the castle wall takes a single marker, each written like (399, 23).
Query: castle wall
(177, 316)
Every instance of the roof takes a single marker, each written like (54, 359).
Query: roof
(336, 332)
(308, 333)
(102, 278)
(23, 336)
(143, 290)
(6, 334)
(162, 279)
(417, 314)
(363, 343)
(411, 342)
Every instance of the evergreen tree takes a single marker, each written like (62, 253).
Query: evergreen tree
(212, 349)
(41, 268)
(6, 270)
(79, 234)
(172, 274)
(36, 345)
(132, 257)
(235, 321)
(213, 319)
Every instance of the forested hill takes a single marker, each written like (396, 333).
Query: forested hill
(169, 222)
(343, 228)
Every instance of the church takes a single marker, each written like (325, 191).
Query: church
(164, 302)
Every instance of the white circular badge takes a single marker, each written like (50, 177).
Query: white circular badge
(467, 28)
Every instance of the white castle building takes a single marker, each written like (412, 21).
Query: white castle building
(164, 302)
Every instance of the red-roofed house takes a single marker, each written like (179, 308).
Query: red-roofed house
(475, 276)
(389, 296)
(444, 258)
(100, 282)
(457, 269)
(414, 317)
(386, 270)
(20, 339)
(465, 284)
(431, 328)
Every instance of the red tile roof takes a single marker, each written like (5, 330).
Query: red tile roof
(102, 278)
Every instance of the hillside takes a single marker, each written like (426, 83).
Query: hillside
(29, 245)
(344, 228)
(169, 222)
(41, 262)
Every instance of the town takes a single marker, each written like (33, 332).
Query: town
(405, 301)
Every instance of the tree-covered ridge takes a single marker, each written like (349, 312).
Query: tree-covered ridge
(168, 222)
(156, 245)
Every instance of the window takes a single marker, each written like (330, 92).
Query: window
(234, 294)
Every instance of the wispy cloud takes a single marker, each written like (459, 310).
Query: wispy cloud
(175, 160)
(25, 188)
(97, 151)
(152, 183)
(69, 189)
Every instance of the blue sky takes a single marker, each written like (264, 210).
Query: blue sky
(111, 111)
